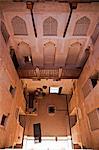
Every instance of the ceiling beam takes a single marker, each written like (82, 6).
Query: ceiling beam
(30, 7)
(72, 6)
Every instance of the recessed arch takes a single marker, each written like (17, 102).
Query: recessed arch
(4, 32)
(19, 26)
(24, 47)
(49, 54)
(74, 52)
(50, 27)
(81, 26)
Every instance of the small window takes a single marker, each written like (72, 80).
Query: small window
(51, 109)
(94, 82)
(54, 90)
(3, 120)
(28, 59)
(12, 90)
(94, 79)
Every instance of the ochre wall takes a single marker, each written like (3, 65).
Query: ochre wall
(82, 106)
(9, 103)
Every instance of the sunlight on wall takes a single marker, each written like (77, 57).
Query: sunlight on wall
(48, 143)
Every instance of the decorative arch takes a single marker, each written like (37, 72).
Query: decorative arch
(81, 26)
(24, 47)
(19, 26)
(74, 52)
(4, 32)
(49, 54)
(50, 27)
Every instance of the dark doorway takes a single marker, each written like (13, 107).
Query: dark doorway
(37, 132)
(31, 99)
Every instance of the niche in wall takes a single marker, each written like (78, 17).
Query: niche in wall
(12, 90)
(94, 82)
(51, 109)
(28, 59)
(4, 120)
(94, 79)
(94, 119)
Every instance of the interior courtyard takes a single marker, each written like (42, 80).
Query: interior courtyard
(49, 74)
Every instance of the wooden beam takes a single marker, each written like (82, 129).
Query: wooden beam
(30, 6)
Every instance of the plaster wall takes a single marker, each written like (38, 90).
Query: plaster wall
(85, 105)
(9, 103)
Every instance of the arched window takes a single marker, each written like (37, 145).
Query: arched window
(50, 27)
(19, 26)
(4, 32)
(95, 33)
(81, 26)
